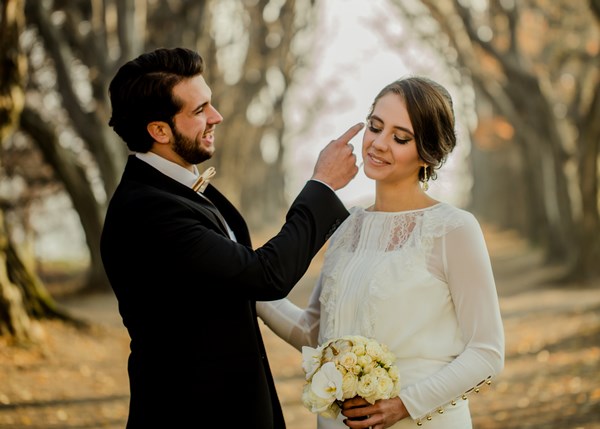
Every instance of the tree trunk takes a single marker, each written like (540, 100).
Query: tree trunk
(22, 295)
(585, 266)
(544, 166)
(486, 165)
(74, 178)
(14, 320)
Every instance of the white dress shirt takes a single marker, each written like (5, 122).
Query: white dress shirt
(178, 173)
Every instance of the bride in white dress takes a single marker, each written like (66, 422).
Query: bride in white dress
(409, 271)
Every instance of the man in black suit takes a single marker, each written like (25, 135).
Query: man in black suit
(181, 262)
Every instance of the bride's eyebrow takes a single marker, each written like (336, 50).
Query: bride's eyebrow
(406, 130)
(397, 127)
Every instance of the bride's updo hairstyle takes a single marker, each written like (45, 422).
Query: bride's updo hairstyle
(431, 113)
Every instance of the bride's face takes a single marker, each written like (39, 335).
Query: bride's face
(389, 148)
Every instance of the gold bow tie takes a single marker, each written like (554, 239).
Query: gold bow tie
(202, 181)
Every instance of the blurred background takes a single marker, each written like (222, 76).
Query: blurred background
(288, 76)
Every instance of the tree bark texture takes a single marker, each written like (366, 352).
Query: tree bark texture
(519, 70)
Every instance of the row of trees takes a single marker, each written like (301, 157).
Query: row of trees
(535, 68)
(532, 64)
(59, 106)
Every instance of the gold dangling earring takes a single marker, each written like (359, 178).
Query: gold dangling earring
(425, 179)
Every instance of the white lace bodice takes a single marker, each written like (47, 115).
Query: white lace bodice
(419, 281)
(371, 257)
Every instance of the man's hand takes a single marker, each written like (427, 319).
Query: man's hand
(336, 164)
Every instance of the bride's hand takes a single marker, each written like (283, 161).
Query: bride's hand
(380, 415)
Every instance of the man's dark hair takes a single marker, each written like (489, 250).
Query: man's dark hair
(142, 92)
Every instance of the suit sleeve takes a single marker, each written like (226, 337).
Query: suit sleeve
(267, 273)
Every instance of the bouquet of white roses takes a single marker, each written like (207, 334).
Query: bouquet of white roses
(346, 367)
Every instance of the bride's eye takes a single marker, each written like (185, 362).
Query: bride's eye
(372, 127)
(401, 140)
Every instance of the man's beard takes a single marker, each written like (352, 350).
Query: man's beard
(189, 149)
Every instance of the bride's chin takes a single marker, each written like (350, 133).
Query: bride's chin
(369, 174)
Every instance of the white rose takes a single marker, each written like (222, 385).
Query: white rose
(349, 385)
(367, 387)
(358, 348)
(393, 373)
(379, 372)
(364, 361)
(342, 370)
(384, 387)
(374, 349)
(367, 365)
(348, 360)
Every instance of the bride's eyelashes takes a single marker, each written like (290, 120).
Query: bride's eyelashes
(401, 140)
(372, 127)
(376, 130)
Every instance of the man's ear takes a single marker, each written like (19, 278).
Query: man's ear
(160, 131)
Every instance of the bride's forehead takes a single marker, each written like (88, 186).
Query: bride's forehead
(391, 107)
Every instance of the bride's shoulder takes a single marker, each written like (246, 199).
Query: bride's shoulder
(446, 217)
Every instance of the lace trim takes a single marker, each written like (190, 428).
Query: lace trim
(401, 228)
(328, 300)
(412, 234)
(440, 410)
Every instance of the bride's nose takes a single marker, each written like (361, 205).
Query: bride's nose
(379, 142)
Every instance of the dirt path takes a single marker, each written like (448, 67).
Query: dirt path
(77, 379)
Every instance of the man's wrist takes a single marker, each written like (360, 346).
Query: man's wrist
(320, 181)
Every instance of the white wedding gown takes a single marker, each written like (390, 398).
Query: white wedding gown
(421, 282)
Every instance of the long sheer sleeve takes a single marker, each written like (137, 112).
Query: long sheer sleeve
(298, 327)
(468, 271)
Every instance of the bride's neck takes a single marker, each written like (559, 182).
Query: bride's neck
(397, 200)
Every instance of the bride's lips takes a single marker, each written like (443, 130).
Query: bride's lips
(376, 160)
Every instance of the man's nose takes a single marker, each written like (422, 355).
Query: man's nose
(215, 117)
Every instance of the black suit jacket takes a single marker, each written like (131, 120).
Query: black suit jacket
(187, 292)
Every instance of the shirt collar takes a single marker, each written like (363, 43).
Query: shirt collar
(176, 172)
(169, 168)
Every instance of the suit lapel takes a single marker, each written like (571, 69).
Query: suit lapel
(234, 218)
(138, 170)
(215, 215)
